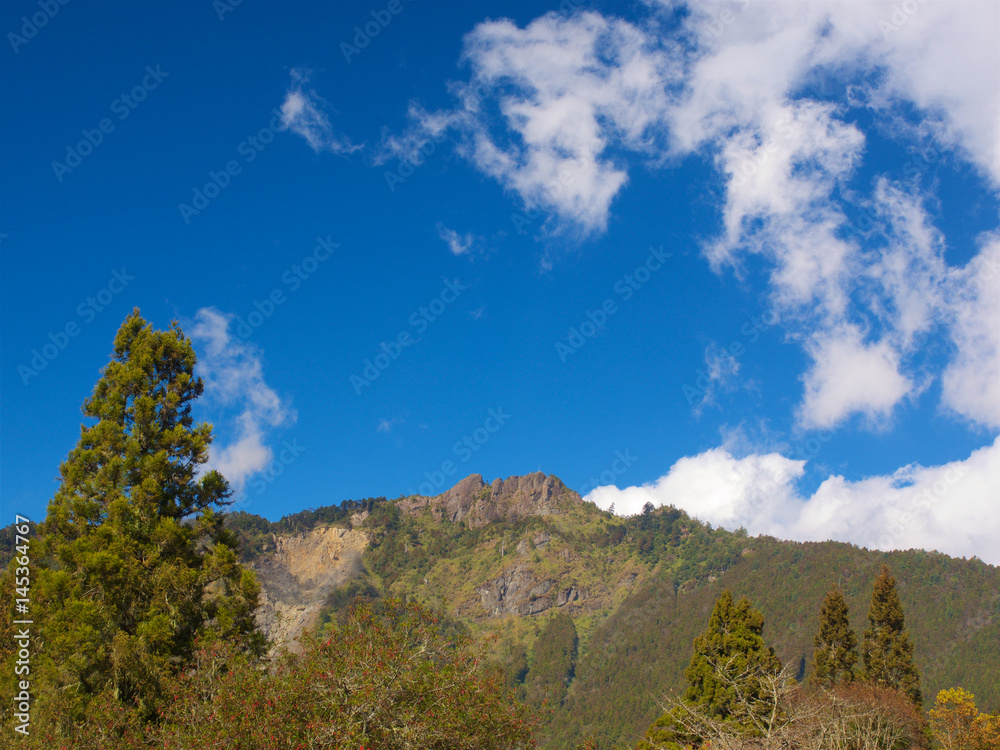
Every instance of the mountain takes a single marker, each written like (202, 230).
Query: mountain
(594, 613)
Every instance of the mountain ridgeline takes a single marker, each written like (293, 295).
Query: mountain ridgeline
(594, 615)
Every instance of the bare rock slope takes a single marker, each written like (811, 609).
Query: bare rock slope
(300, 573)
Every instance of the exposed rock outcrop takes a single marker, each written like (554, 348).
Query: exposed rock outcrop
(299, 574)
(478, 503)
(517, 592)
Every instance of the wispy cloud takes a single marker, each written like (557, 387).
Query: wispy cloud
(721, 371)
(560, 110)
(568, 89)
(302, 113)
(387, 425)
(234, 384)
(458, 244)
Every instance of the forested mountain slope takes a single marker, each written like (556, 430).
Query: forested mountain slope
(593, 614)
(619, 601)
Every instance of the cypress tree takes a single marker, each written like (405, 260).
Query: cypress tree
(730, 651)
(836, 645)
(132, 564)
(887, 651)
(733, 643)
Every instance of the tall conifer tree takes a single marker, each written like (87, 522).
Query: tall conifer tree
(132, 562)
(731, 651)
(887, 651)
(836, 645)
(733, 642)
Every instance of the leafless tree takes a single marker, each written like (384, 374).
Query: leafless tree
(780, 714)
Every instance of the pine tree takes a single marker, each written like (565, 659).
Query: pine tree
(132, 563)
(835, 644)
(887, 651)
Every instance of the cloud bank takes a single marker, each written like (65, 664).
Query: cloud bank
(952, 508)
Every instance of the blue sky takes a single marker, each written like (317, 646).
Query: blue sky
(738, 257)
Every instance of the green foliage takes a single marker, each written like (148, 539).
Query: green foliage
(669, 733)
(554, 662)
(132, 564)
(337, 606)
(733, 644)
(516, 667)
(8, 542)
(952, 608)
(887, 651)
(835, 645)
(388, 677)
(729, 677)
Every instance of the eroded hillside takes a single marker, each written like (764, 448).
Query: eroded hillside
(298, 573)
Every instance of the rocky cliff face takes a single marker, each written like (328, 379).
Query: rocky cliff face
(518, 592)
(300, 573)
(478, 503)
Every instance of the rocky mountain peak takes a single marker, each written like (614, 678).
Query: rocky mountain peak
(477, 503)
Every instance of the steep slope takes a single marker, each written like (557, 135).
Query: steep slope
(498, 552)
(298, 574)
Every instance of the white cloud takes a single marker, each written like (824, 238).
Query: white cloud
(861, 306)
(942, 57)
(971, 381)
(458, 244)
(302, 113)
(234, 383)
(560, 110)
(951, 508)
(568, 90)
(713, 486)
(850, 376)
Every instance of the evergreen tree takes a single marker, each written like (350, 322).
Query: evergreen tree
(887, 651)
(131, 564)
(728, 675)
(836, 645)
(733, 643)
